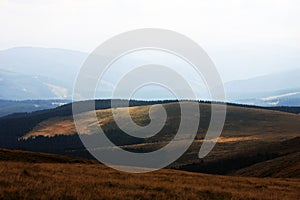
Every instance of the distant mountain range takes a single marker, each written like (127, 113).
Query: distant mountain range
(42, 73)
(58, 64)
(38, 73)
(17, 86)
(9, 106)
(279, 89)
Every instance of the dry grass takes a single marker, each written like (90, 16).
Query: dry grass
(231, 139)
(19, 180)
(240, 122)
(249, 133)
(65, 125)
(31, 157)
(286, 166)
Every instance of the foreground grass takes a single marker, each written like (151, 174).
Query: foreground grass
(22, 180)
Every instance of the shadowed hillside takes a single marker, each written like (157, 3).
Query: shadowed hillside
(30, 157)
(285, 166)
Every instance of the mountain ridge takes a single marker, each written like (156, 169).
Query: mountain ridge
(63, 65)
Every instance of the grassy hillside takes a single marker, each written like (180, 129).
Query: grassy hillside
(251, 136)
(285, 166)
(240, 121)
(30, 157)
(57, 180)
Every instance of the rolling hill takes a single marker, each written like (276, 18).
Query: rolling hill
(252, 136)
(286, 166)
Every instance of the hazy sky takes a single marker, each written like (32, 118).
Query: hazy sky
(253, 29)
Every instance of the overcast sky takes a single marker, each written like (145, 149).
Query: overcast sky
(222, 28)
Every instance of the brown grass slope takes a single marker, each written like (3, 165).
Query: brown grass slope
(27, 180)
(285, 166)
(25, 156)
(250, 136)
(240, 121)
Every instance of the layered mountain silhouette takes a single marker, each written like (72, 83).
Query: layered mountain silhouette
(43, 73)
